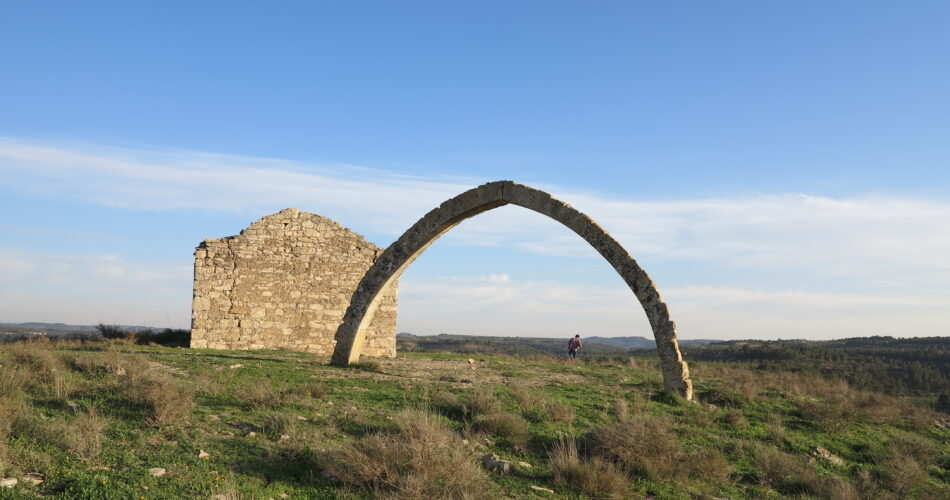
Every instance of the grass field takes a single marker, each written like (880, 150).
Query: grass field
(96, 420)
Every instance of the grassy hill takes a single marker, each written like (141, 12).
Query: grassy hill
(113, 419)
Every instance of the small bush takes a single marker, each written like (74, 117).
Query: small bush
(422, 458)
(168, 401)
(368, 365)
(260, 395)
(734, 419)
(786, 473)
(82, 436)
(776, 428)
(168, 337)
(448, 404)
(278, 424)
(709, 465)
(645, 444)
(593, 476)
(483, 400)
(726, 398)
(828, 415)
(114, 332)
(508, 426)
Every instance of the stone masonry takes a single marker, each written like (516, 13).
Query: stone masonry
(285, 283)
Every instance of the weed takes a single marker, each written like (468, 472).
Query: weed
(260, 395)
(508, 426)
(422, 459)
(278, 424)
(168, 401)
(594, 476)
(786, 473)
(644, 443)
(81, 436)
(483, 400)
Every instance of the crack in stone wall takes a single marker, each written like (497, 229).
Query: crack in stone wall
(285, 283)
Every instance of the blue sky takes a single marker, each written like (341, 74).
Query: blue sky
(781, 169)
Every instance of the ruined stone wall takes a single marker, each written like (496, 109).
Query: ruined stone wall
(285, 283)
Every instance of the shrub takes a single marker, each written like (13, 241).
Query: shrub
(82, 436)
(277, 424)
(483, 400)
(168, 401)
(168, 337)
(708, 465)
(368, 365)
(448, 404)
(114, 332)
(422, 458)
(508, 426)
(645, 444)
(593, 476)
(735, 419)
(728, 398)
(260, 395)
(828, 415)
(786, 473)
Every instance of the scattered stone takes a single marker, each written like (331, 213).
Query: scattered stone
(822, 453)
(465, 441)
(543, 490)
(471, 361)
(301, 417)
(236, 365)
(203, 454)
(214, 417)
(284, 437)
(251, 434)
(34, 478)
(493, 463)
(526, 465)
(157, 471)
(521, 449)
(284, 495)
(9, 482)
(120, 371)
(330, 403)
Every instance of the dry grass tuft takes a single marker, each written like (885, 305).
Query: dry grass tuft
(508, 426)
(169, 401)
(709, 465)
(593, 476)
(538, 407)
(276, 425)
(483, 400)
(786, 473)
(81, 436)
(260, 395)
(643, 443)
(423, 458)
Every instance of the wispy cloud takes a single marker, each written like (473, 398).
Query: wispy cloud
(93, 289)
(891, 251)
(459, 305)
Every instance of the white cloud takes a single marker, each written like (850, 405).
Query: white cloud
(93, 289)
(879, 245)
(456, 305)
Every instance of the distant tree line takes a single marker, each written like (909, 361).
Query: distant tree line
(910, 367)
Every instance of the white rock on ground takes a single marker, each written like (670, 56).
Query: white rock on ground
(157, 471)
(9, 482)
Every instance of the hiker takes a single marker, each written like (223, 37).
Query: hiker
(573, 346)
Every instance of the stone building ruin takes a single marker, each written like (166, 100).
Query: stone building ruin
(285, 283)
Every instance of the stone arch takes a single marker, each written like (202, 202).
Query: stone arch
(394, 260)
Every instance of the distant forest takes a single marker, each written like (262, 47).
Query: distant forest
(909, 367)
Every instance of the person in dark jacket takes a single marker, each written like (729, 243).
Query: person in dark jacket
(573, 346)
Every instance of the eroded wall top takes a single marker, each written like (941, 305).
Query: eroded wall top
(284, 283)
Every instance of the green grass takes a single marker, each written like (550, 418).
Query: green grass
(276, 423)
